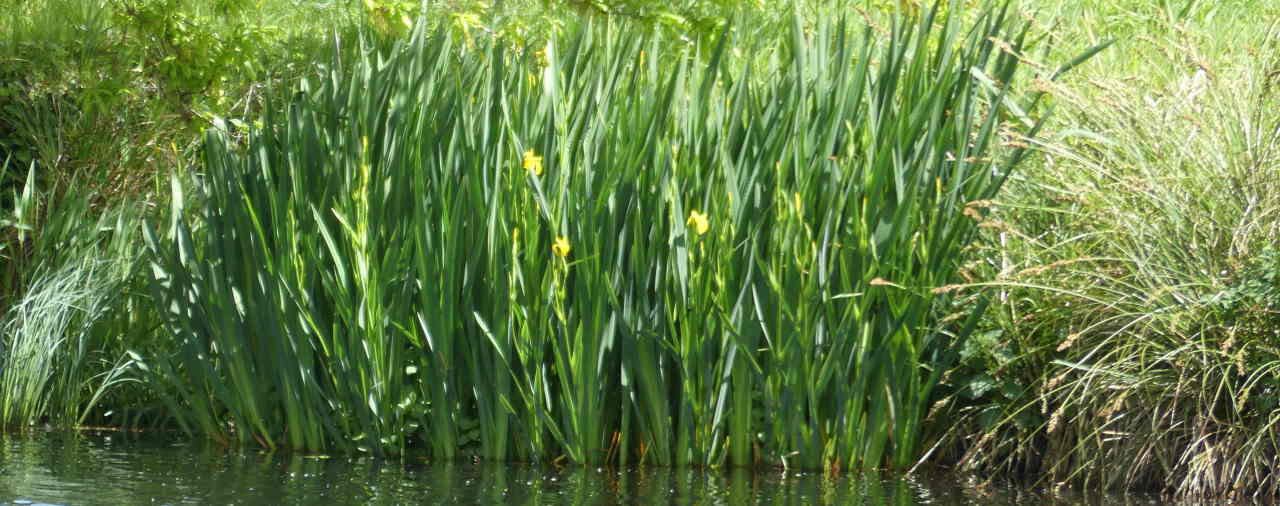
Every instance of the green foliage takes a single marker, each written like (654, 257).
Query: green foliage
(108, 91)
(1254, 292)
(699, 17)
(18, 219)
(392, 18)
(603, 250)
(1132, 271)
(194, 46)
(1136, 268)
(92, 102)
(63, 338)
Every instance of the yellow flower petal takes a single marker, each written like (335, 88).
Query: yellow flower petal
(698, 221)
(561, 247)
(533, 162)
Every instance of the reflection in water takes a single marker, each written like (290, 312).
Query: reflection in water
(118, 468)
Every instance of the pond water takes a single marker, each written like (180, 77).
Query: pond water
(38, 467)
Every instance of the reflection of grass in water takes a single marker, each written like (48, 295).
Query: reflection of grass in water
(65, 468)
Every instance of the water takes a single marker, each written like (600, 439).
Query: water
(120, 468)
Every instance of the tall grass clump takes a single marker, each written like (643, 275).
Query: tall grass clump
(65, 326)
(1139, 266)
(597, 248)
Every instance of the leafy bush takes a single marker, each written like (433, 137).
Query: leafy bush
(192, 47)
(1252, 296)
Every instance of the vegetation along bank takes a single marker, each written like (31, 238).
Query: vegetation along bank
(1031, 241)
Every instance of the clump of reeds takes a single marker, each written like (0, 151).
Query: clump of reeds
(597, 248)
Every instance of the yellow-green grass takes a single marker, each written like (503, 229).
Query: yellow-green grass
(63, 340)
(1134, 346)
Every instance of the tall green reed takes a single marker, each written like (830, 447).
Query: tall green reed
(599, 248)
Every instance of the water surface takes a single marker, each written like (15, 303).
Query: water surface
(119, 468)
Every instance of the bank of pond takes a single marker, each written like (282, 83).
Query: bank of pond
(622, 259)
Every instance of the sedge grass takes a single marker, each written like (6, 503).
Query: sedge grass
(1126, 257)
(62, 344)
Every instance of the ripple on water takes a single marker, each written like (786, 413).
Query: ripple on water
(119, 468)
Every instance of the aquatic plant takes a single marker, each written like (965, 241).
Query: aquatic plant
(602, 250)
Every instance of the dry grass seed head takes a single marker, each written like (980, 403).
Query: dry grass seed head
(1070, 340)
(997, 225)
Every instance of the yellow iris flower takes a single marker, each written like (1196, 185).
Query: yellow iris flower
(561, 247)
(698, 221)
(533, 162)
